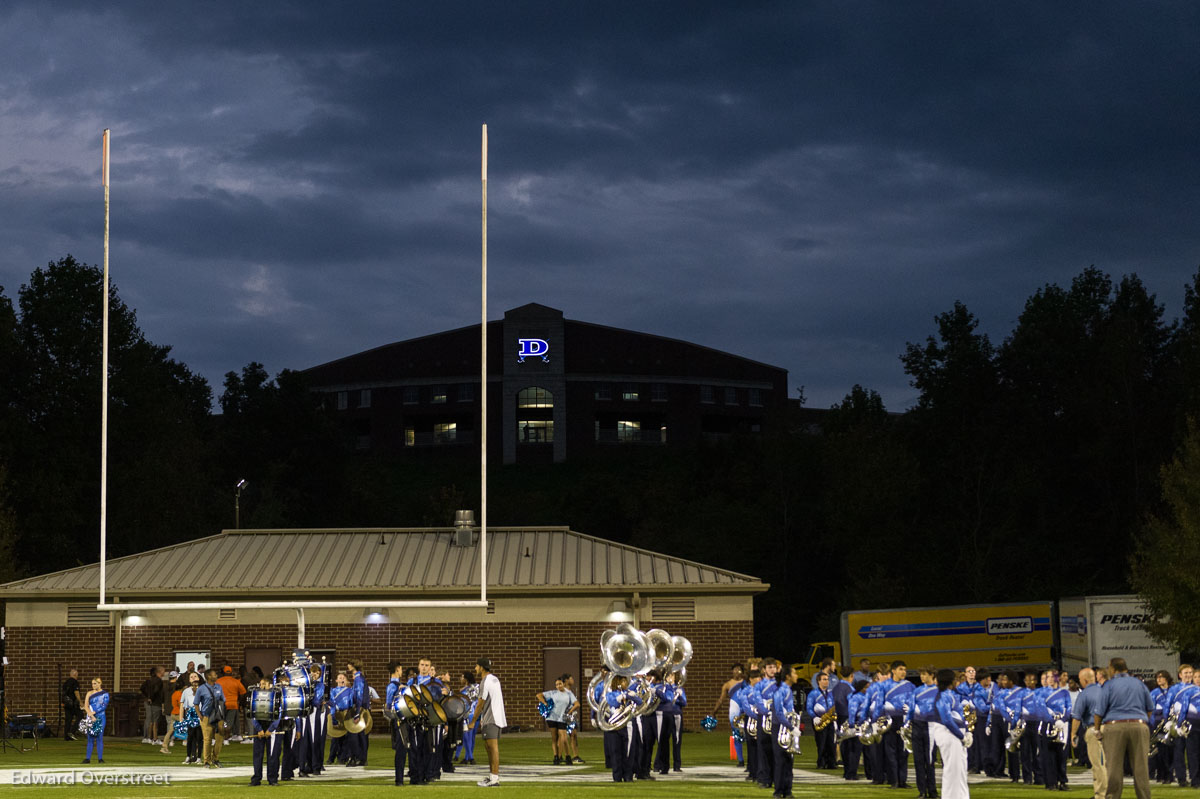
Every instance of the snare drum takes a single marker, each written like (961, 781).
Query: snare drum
(298, 676)
(264, 704)
(404, 707)
(292, 702)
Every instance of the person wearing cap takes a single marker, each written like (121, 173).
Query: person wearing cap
(234, 689)
(491, 719)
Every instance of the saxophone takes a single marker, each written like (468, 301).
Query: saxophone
(825, 719)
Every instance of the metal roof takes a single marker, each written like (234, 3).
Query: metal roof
(387, 562)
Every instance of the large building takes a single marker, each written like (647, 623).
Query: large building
(551, 592)
(557, 388)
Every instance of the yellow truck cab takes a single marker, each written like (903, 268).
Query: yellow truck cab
(806, 670)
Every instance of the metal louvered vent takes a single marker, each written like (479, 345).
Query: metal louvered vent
(491, 607)
(673, 609)
(87, 616)
(227, 614)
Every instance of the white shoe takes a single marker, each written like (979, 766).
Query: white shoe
(247, 740)
(489, 781)
(146, 740)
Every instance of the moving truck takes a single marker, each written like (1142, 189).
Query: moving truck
(1095, 629)
(1021, 636)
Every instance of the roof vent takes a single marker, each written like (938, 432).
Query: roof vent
(464, 520)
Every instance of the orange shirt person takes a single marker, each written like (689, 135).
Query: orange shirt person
(234, 691)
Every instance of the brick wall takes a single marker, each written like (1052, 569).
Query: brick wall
(515, 650)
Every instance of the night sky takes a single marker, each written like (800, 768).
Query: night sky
(804, 184)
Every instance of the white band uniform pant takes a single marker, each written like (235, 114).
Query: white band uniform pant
(954, 761)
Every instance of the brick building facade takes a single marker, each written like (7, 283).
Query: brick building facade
(551, 589)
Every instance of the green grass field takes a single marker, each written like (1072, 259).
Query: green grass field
(699, 750)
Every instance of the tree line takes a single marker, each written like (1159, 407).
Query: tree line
(1060, 461)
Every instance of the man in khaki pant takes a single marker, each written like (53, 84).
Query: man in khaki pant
(210, 707)
(1121, 721)
(1082, 713)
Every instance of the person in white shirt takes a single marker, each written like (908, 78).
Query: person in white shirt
(491, 718)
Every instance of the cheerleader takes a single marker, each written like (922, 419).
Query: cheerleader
(469, 690)
(96, 703)
(190, 720)
(947, 731)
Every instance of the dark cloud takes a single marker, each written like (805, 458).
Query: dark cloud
(804, 184)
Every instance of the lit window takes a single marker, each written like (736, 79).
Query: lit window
(706, 394)
(731, 396)
(535, 397)
(658, 392)
(412, 395)
(364, 398)
(629, 431)
(439, 395)
(410, 437)
(756, 397)
(535, 431)
(629, 392)
(445, 433)
(603, 392)
(466, 392)
(662, 434)
(343, 400)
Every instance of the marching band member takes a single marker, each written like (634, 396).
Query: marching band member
(873, 752)
(264, 740)
(760, 697)
(392, 699)
(1057, 703)
(96, 705)
(1031, 768)
(1012, 716)
(1161, 766)
(647, 734)
(993, 756)
(782, 703)
(820, 702)
(434, 731)
(856, 714)
(470, 724)
(1179, 758)
(981, 698)
(967, 690)
(897, 693)
(841, 702)
(922, 711)
(340, 698)
(286, 732)
(749, 722)
(672, 700)
(1187, 711)
(736, 678)
(318, 717)
(949, 734)
(624, 743)
(356, 742)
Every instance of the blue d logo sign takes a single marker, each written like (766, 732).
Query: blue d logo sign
(532, 348)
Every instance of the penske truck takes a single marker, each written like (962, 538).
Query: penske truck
(1095, 629)
(1023, 636)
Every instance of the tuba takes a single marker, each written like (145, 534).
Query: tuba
(661, 649)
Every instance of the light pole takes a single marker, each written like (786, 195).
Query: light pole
(237, 502)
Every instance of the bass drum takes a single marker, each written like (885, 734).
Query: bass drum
(454, 707)
(293, 702)
(264, 704)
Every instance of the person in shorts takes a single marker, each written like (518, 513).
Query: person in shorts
(491, 719)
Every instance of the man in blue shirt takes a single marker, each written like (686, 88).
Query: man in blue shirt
(1121, 719)
(1081, 715)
